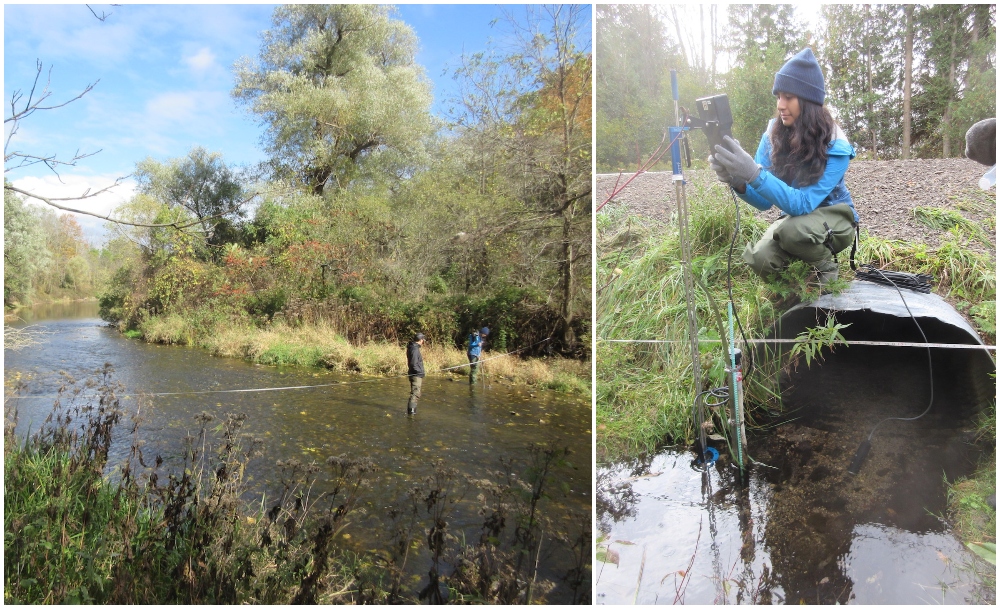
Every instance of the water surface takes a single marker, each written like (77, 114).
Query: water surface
(798, 528)
(470, 428)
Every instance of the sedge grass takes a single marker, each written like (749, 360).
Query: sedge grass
(320, 345)
(644, 392)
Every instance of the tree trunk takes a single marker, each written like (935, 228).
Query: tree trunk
(568, 281)
(907, 82)
(680, 39)
(946, 120)
(713, 13)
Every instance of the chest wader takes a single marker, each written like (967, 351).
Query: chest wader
(815, 238)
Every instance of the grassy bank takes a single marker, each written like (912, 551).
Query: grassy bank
(645, 391)
(972, 510)
(320, 345)
(83, 528)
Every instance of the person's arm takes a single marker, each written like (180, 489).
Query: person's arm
(770, 190)
(762, 158)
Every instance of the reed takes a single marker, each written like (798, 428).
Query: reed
(321, 345)
(645, 392)
(178, 529)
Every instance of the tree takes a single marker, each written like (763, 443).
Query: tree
(532, 107)
(200, 183)
(955, 84)
(24, 253)
(863, 57)
(756, 29)
(634, 56)
(339, 92)
(907, 81)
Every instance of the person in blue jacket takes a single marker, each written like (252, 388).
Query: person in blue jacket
(477, 340)
(799, 168)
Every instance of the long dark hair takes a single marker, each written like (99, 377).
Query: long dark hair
(799, 152)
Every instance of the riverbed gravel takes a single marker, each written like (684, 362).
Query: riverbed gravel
(885, 194)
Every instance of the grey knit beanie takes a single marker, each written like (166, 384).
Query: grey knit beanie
(801, 76)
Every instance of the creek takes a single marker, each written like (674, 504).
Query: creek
(798, 528)
(469, 428)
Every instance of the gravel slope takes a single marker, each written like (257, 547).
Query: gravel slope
(884, 193)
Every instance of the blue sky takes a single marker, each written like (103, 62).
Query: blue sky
(164, 77)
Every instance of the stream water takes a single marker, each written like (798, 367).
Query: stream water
(470, 428)
(798, 528)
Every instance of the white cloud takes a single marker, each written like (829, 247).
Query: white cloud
(72, 185)
(76, 186)
(173, 106)
(202, 61)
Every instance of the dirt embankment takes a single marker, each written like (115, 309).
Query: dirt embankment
(884, 192)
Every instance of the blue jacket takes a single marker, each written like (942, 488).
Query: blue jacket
(768, 189)
(475, 344)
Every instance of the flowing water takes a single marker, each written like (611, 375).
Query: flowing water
(470, 428)
(798, 528)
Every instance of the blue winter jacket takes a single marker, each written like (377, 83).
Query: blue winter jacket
(475, 344)
(794, 200)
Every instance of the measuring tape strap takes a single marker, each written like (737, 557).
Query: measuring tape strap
(874, 343)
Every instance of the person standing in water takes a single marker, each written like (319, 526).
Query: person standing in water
(477, 340)
(415, 370)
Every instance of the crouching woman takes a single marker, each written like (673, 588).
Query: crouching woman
(799, 168)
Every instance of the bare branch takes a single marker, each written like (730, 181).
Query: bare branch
(103, 16)
(16, 339)
(87, 195)
(31, 105)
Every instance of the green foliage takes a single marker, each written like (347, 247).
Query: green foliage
(758, 28)
(204, 186)
(748, 86)
(645, 391)
(799, 281)
(984, 550)
(185, 533)
(634, 58)
(811, 342)
(340, 95)
(862, 46)
(955, 83)
(24, 252)
(946, 219)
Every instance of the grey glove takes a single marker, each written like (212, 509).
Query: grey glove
(736, 161)
(719, 170)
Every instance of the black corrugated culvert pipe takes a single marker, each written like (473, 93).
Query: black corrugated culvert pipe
(874, 387)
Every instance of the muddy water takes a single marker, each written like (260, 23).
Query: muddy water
(469, 428)
(800, 528)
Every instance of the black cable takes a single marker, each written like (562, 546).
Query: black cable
(729, 283)
(918, 283)
(866, 444)
(930, 363)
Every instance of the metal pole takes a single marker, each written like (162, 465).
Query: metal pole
(682, 229)
(735, 369)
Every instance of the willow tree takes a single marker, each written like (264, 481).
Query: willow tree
(340, 94)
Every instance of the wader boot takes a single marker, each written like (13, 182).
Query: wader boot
(826, 272)
(415, 383)
(473, 369)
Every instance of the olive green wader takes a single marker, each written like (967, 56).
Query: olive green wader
(473, 368)
(416, 382)
(815, 238)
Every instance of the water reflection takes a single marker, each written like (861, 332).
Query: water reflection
(468, 428)
(701, 538)
(801, 529)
